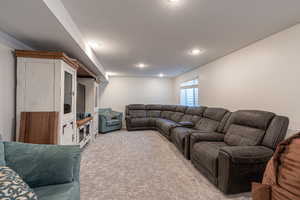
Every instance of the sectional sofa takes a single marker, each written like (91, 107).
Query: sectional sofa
(230, 148)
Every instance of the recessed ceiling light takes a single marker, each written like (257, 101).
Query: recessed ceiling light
(173, 1)
(94, 44)
(196, 52)
(110, 74)
(161, 75)
(141, 65)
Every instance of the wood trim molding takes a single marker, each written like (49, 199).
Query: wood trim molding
(83, 121)
(84, 72)
(47, 55)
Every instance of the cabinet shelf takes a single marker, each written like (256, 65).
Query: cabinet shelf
(83, 121)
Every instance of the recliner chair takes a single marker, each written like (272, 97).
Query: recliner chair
(234, 160)
(109, 120)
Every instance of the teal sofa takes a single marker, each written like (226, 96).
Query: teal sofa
(109, 120)
(52, 171)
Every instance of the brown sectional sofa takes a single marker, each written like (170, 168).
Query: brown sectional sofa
(230, 149)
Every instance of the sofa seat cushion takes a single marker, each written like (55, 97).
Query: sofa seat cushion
(166, 125)
(179, 135)
(238, 135)
(140, 122)
(206, 155)
(68, 191)
(113, 122)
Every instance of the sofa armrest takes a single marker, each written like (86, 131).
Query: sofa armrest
(206, 136)
(247, 154)
(239, 166)
(116, 114)
(186, 124)
(42, 165)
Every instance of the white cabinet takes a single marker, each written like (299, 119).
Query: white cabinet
(91, 103)
(46, 82)
(68, 136)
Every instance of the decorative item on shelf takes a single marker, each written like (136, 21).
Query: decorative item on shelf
(79, 116)
(88, 114)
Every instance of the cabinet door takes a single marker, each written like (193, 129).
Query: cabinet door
(68, 134)
(38, 80)
(69, 77)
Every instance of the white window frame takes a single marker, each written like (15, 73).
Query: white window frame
(185, 85)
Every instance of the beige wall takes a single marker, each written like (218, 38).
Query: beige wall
(122, 91)
(7, 85)
(264, 75)
(7, 94)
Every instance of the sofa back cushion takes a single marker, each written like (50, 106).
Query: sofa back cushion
(136, 107)
(169, 108)
(154, 107)
(207, 125)
(247, 127)
(137, 113)
(211, 120)
(190, 118)
(253, 118)
(166, 114)
(238, 135)
(176, 117)
(32, 163)
(198, 110)
(153, 113)
(181, 109)
(193, 114)
(276, 131)
(215, 114)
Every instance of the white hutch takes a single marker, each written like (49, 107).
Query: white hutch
(46, 97)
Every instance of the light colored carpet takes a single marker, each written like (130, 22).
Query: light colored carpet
(142, 165)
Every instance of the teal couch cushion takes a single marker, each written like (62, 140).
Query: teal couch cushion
(113, 122)
(2, 155)
(41, 165)
(68, 191)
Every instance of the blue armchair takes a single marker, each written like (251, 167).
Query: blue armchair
(52, 171)
(109, 120)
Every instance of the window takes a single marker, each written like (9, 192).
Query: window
(189, 95)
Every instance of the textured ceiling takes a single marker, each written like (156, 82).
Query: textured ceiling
(151, 31)
(161, 34)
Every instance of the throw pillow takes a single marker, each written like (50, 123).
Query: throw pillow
(12, 187)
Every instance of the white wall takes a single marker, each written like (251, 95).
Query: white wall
(7, 85)
(264, 75)
(122, 91)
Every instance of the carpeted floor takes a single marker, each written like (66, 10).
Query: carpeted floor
(141, 165)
